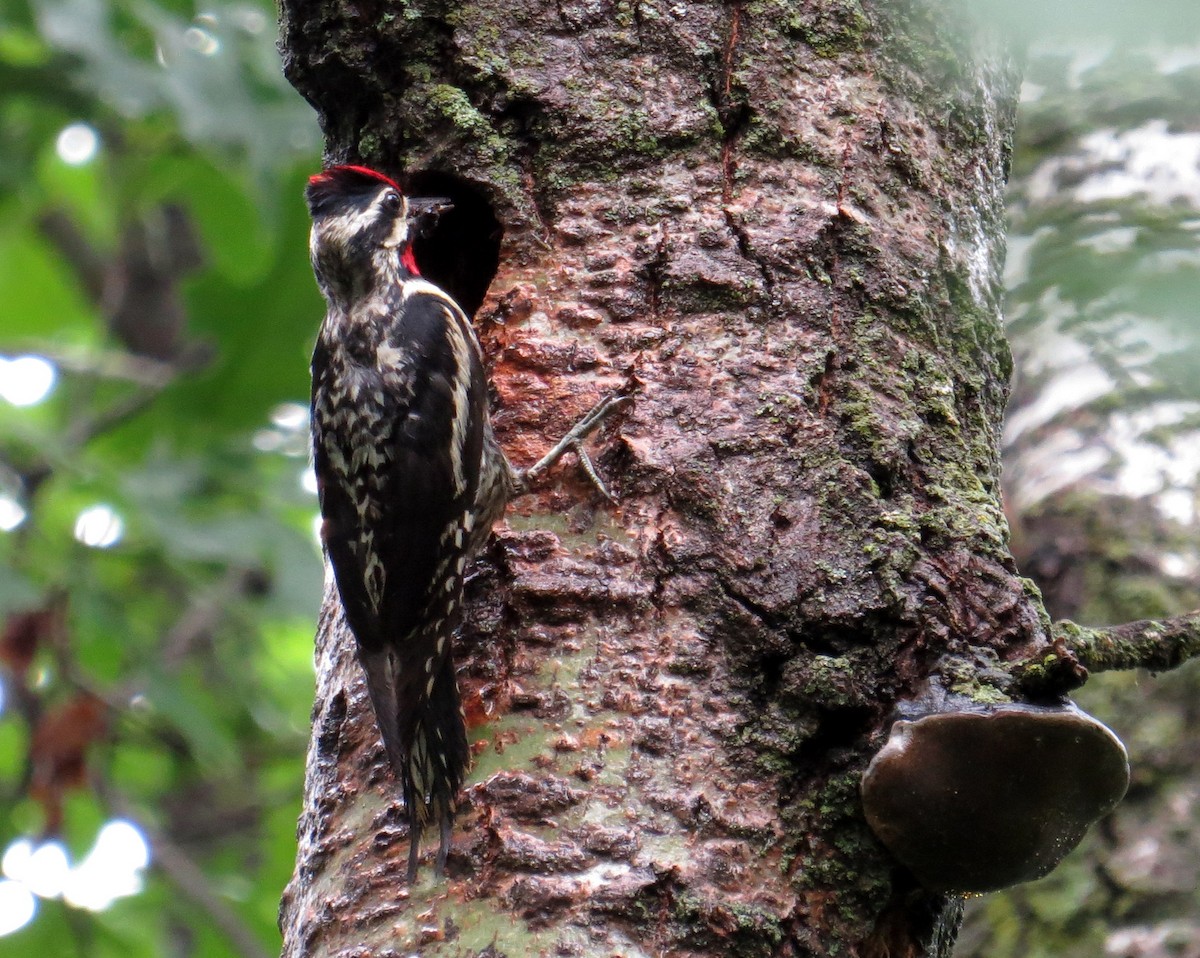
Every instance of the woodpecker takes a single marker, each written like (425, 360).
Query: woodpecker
(409, 474)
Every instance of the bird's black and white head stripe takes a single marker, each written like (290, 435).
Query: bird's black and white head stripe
(358, 216)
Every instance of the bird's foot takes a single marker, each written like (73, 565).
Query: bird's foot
(573, 440)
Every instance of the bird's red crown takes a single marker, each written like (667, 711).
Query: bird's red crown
(349, 172)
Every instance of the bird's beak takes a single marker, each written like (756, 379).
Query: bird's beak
(418, 205)
(424, 213)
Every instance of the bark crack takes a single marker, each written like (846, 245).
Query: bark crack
(564, 19)
(656, 274)
(834, 356)
(735, 117)
(752, 608)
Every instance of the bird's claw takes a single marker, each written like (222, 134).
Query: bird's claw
(573, 440)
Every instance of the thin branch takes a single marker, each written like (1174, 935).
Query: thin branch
(58, 227)
(112, 364)
(182, 872)
(1155, 645)
(188, 877)
(30, 476)
(85, 430)
(204, 615)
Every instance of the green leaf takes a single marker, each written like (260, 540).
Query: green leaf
(40, 293)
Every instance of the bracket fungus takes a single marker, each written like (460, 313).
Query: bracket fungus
(976, 800)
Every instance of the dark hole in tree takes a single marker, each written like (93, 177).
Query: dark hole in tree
(461, 251)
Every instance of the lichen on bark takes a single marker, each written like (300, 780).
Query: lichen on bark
(782, 228)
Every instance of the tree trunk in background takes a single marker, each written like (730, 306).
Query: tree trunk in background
(781, 223)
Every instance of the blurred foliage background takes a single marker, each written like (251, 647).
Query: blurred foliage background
(1102, 450)
(159, 575)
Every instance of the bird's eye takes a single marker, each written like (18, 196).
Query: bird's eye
(391, 201)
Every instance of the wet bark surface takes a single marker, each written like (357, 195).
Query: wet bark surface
(780, 226)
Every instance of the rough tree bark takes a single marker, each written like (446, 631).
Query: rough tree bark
(781, 224)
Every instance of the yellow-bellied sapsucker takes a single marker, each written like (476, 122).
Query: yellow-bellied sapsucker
(409, 474)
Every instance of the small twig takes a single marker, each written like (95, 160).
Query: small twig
(1155, 645)
(188, 877)
(111, 364)
(85, 430)
(204, 615)
(179, 868)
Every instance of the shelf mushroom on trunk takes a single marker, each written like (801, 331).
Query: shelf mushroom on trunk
(982, 798)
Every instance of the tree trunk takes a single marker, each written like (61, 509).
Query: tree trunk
(781, 224)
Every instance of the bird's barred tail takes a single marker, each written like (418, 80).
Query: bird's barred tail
(435, 765)
(424, 734)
